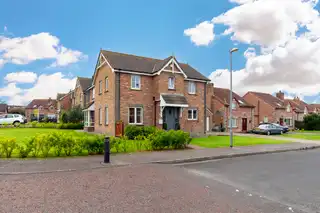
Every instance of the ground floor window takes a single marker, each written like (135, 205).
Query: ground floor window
(288, 121)
(106, 115)
(233, 122)
(86, 118)
(265, 119)
(192, 114)
(135, 115)
(100, 116)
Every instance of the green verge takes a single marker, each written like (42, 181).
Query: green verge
(315, 137)
(224, 141)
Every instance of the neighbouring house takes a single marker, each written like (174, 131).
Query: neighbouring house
(38, 109)
(147, 91)
(89, 118)
(82, 84)
(307, 108)
(242, 112)
(17, 109)
(291, 105)
(316, 108)
(3, 109)
(64, 103)
(269, 108)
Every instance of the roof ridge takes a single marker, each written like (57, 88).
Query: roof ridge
(130, 54)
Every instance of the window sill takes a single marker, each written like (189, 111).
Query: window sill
(136, 124)
(192, 119)
(106, 91)
(106, 124)
(192, 93)
(135, 89)
(173, 89)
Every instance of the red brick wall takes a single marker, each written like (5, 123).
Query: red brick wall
(130, 97)
(66, 102)
(106, 98)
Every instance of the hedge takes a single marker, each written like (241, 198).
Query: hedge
(35, 124)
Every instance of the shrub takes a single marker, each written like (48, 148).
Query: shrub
(169, 139)
(299, 124)
(68, 144)
(312, 122)
(132, 131)
(7, 146)
(23, 151)
(64, 117)
(34, 124)
(95, 144)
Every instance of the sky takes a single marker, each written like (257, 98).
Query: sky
(45, 46)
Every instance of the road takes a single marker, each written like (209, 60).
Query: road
(290, 179)
(141, 188)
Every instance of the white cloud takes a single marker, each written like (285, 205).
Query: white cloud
(202, 34)
(21, 77)
(46, 86)
(40, 46)
(287, 33)
(10, 90)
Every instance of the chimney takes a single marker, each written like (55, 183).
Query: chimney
(280, 95)
(296, 99)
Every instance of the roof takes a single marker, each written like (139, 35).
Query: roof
(85, 82)
(133, 63)
(174, 99)
(45, 103)
(315, 106)
(270, 99)
(60, 95)
(3, 107)
(223, 95)
(294, 105)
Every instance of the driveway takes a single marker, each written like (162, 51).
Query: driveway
(290, 178)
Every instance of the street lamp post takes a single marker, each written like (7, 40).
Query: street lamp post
(231, 99)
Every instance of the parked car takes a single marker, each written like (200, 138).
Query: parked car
(14, 119)
(268, 129)
(283, 127)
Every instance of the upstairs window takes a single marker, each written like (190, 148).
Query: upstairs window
(234, 105)
(192, 87)
(93, 92)
(135, 82)
(288, 108)
(100, 87)
(106, 84)
(171, 83)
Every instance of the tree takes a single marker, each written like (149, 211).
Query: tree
(74, 115)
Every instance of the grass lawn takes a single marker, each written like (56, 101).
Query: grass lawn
(21, 133)
(224, 141)
(304, 136)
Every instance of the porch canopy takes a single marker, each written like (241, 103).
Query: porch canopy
(173, 100)
(90, 107)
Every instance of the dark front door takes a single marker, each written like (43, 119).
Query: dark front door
(244, 124)
(171, 115)
(281, 121)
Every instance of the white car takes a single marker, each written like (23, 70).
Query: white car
(14, 119)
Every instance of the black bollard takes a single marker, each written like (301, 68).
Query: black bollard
(106, 150)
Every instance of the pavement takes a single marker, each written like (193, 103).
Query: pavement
(291, 178)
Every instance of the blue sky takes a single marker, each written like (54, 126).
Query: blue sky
(146, 28)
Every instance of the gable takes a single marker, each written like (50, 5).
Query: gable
(101, 61)
(171, 67)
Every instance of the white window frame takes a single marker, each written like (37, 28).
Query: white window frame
(171, 83)
(265, 119)
(135, 115)
(106, 115)
(288, 108)
(100, 87)
(233, 105)
(106, 84)
(81, 97)
(234, 122)
(192, 117)
(100, 116)
(192, 87)
(93, 93)
(134, 80)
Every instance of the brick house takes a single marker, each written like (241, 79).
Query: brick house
(38, 109)
(89, 117)
(242, 111)
(269, 108)
(146, 91)
(3, 109)
(316, 108)
(307, 108)
(64, 103)
(82, 84)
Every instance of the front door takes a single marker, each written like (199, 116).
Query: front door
(244, 124)
(281, 121)
(171, 117)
